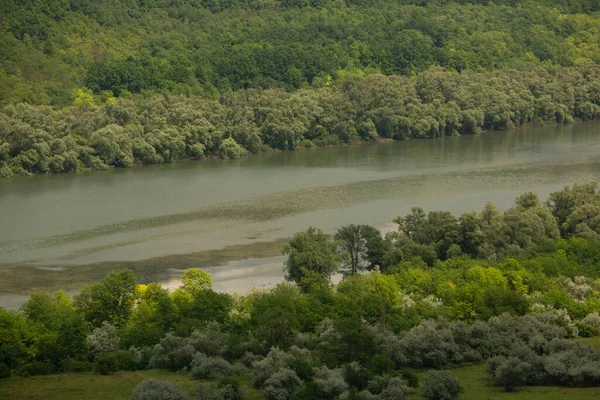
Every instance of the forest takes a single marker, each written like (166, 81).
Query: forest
(511, 289)
(113, 83)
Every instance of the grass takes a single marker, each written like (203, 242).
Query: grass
(76, 386)
(594, 341)
(88, 386)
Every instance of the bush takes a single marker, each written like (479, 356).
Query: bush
(510, 372)
(4, 371)
(158, 390)
(141, 357)
(37, 368)
(282, 385)
(226, 389)
(210, 341)
(204, 367)
(108, 363)
(357, 376)
(330, 381)
(411, 379)
(440, 385)
(273, 362)
(79, 366)
(173, 353)
(396, 389)
(103, 339)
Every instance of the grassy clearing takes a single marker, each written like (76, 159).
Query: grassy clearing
(25, 279)
(477, 383)
(594, 341)
(119, 386)
(76, 386)
(88, 386)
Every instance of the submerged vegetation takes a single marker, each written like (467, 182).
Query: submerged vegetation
(504, 288)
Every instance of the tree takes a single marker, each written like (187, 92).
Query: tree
(112, 300)
(61, 332)
(353, 245)
(195, 279)
(311, 250)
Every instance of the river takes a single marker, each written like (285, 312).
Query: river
(153, 211)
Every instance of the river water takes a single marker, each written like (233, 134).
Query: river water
(145, 212)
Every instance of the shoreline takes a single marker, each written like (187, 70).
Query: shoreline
(354, 143)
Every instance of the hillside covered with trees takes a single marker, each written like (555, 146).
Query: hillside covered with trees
(95, 84)
(510, 289)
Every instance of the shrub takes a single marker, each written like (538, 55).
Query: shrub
(204, 367)
(330, 381)
(511, 373)
(78, 366)
(396, 389)
(103, 339)
(440, 385)
(158, 390)
(273, 362)
(4, 371)
(210, 342)
(282, 385)
(37, 368)
(173, 353)
(140, 357)
(106, 363)
(357, 376)
(430, 344)
(411, 379)
(226, 389)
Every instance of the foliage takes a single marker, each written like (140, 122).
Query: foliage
(440, 385)
(310, 251)
(359, 339)
(157, 129)
(110, 301)
(203, 367)
(103, 339)
(158, 390)
(282, 385)
(111, 362)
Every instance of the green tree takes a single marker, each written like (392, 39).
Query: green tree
(111, 301)
(311, 250)
(353, 246)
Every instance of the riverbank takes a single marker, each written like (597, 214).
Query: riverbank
(163, 129)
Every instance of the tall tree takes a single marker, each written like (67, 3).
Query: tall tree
(112, 300)
(308, 251)
(353, 245)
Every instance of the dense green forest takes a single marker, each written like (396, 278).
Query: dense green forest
(50, 48)
(94, 84)
(506, 288)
